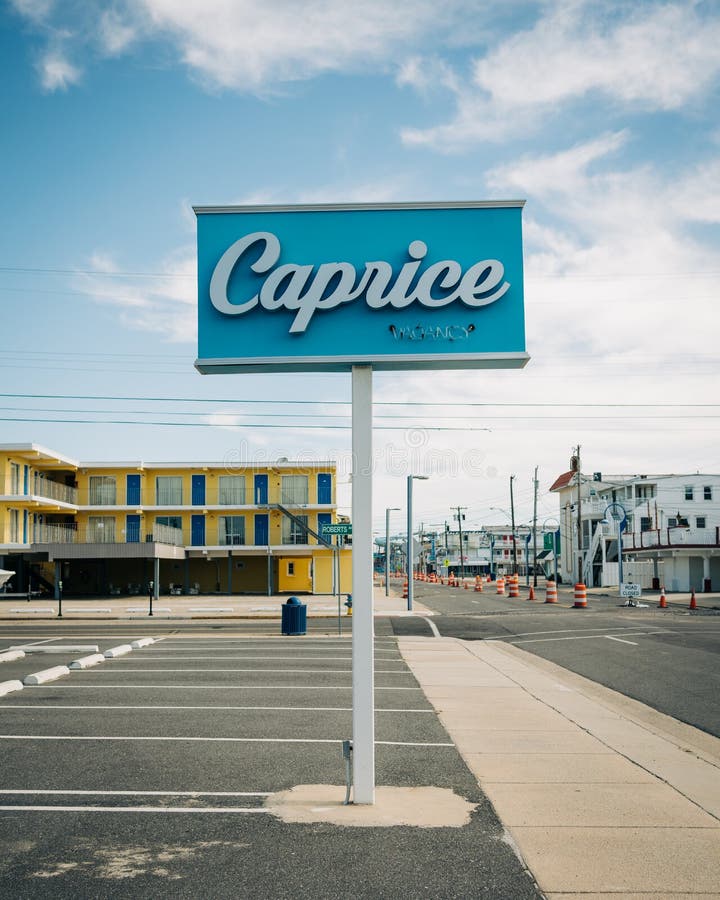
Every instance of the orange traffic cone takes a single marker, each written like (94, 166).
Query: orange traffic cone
(663, 600)
(693, 602)
(405, 590)
(531, 595)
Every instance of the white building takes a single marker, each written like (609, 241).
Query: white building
(487, 550)
(671, 533)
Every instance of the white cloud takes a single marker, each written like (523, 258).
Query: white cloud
(36, 10)
(246, 45)
(623, 254)
(57, 73)
(659, 57)
(115, 32)
(426, 74)
(165, 304)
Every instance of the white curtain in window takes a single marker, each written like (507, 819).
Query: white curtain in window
(102, 490)
(294, 489)
(101, 530)
(169, 490)
(231, 490)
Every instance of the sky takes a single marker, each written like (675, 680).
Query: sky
(603, 116)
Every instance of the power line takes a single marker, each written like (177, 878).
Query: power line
(286, 425)
(444, 404)
(31, 270)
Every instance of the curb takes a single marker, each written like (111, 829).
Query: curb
(46, 675)
(7, 687)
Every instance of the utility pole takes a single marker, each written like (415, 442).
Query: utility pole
(579, 510)
(460, 516)
(535, 493)
(512, 520)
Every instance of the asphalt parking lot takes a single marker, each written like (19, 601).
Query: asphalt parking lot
(148, 775)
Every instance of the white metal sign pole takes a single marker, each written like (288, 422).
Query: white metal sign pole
(363, 651)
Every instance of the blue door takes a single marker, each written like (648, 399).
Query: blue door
(132, 490)
(324, 488)
(261, 530)
(198, 490)
(261, 490)
(132, 526)
(324, 519)
(197, 531)
(26, 475)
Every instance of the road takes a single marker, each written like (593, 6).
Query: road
(667, 659)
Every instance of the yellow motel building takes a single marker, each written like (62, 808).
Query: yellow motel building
(110, 528)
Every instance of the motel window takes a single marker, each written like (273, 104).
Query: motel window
(231, 490)
(294, 489)
(169, 521)
(689, 492)
(645, 523)
(291, 568)
(14, 526)
(168, 490)
(293, 532)
(700, 522)
(707, 492)
(101, 530)
(14, 478)
(231, 530)
(672, 522)
(102, 490)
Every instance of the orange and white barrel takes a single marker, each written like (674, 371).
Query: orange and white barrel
(514, 587)
(478, 584)
(500, 584)
(551, 592)
(580, 596)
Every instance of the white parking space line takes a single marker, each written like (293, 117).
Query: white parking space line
(588, 637)
(204, 740)
(247, 810)
(188, 671)
(611, 637)
(219, 687)
(254, 658)
(603, 631)
(32, 644)
(51, 706)
(65, 793)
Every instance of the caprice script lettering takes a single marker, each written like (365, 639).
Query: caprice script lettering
(306, 289)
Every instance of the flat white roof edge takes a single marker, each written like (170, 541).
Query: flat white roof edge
(38, 448)
(338, 207)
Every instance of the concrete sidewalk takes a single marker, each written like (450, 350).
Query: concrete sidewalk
(236, 606)
(602, 795)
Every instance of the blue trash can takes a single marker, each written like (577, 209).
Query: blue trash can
(294, 617)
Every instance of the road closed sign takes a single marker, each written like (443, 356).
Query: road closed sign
(630, 590)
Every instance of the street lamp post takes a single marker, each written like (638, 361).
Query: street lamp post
(387, 547)
(409, 563)
(491, 540)
(618, 513)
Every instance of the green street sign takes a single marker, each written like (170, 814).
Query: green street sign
(336, 528)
